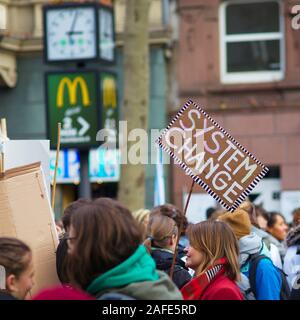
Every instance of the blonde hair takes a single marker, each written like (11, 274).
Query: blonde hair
(160, 230)
(140, 215)
(215, 240)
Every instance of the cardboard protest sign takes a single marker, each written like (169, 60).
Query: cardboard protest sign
(19, 153)
(211, 156)
(25, 213)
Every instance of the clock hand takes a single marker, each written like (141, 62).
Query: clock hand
(71, 33)
(72, 27)
(74, 21)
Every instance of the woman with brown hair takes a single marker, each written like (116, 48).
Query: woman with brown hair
(16, 269)
(213, 254)
(161, 242)
(107, 258)
(171, 211)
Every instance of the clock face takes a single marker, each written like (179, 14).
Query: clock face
(106, 35)
(71, 33)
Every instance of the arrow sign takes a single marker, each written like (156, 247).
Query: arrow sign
(85, 126)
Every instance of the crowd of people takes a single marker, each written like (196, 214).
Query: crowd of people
(107, 252)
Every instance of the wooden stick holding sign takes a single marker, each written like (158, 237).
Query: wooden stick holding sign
(56, 165)
(180, 230)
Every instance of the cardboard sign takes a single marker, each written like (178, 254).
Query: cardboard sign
(19, 153)
(219, 164)
(25, 213)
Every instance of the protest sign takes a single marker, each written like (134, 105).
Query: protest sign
(19, 153)
(25, 213)
(211, 156)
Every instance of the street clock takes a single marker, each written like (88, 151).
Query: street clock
(106, 27)
(70, 32)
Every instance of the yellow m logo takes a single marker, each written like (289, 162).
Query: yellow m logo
(72, 89)
(109, 93)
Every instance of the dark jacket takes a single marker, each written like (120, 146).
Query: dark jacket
(295, 294)
(163, 260)
(6, 296)
(180, 251)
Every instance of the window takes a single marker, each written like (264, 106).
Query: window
(252, 46)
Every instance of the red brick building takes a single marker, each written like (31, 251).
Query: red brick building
(240, 60)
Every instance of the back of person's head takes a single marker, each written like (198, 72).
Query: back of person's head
(215, 240)
(172, 212)
(16, 259)
(162, 232)
(216, 214)
(141, 216)
(293, 238)
(105, 234)
(262, 217)
(72, 207)
(209, 212)
(239, 222)
(249, 207)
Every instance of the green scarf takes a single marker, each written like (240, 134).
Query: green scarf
(138, 267)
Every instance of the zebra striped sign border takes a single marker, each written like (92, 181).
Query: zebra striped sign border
(196, 178)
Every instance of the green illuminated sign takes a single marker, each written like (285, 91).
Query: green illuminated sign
(72, 100)
(109, 104)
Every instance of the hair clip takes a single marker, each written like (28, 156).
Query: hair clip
(150, 238)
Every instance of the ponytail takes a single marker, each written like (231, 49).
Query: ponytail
(148, 243)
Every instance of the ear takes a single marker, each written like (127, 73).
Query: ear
(173, 240)
(11, 283)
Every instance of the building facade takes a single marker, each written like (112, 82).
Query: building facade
(22, 68)
(240, 61)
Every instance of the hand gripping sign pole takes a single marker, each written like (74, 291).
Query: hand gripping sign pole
(56, 165)
(180, 230)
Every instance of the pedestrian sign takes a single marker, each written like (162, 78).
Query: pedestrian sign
(72, 100)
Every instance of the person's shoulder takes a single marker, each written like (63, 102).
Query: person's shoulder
(266, 268)
(6, 296)
(222, 289)
(266, 263)
(224, 281)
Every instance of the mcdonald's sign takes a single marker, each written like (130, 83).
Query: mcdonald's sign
(109, 101)
(72, 100)
(71, 86)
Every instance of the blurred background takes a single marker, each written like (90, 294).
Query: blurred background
(239, 60)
